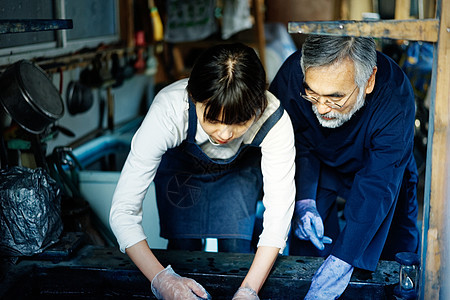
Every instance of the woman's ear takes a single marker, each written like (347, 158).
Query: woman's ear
(190, 97)
(371, 81)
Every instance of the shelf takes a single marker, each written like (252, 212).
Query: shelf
(32, 25)
(416, 30)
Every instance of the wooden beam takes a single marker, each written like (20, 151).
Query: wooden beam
(435, 252)
(414, 30)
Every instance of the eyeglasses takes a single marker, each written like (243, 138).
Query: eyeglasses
(328, 102)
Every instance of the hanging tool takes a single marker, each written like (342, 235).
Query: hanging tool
(158, 32)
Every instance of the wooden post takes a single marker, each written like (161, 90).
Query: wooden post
(435, 252)
(259, 26)
(127, 22)
(402, 9)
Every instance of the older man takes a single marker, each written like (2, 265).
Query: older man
(352, 109)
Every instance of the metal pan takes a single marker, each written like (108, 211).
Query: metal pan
(79, 98)
(29, 96)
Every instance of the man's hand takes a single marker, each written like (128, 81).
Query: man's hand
(169, 285)
(308, 224)
(330, 280)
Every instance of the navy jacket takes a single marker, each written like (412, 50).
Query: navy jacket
(367, 160)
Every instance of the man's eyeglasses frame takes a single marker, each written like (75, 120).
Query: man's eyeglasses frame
(328, 102)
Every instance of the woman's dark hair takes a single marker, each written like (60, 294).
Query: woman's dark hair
(229, 79)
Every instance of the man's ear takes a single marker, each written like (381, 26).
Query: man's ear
(371, 81)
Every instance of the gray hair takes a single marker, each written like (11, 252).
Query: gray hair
(320, 50)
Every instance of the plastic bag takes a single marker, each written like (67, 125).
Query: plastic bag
(189, 21)
(30, 211)
(418, 66)
(236, 17)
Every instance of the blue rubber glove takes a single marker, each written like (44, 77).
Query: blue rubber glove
(330, 280)
(308, 224)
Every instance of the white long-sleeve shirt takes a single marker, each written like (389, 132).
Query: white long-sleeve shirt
(164, 127)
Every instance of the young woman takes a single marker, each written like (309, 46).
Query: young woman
(211, 144)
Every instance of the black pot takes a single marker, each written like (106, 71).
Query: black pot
(29, 96)
(79, 98)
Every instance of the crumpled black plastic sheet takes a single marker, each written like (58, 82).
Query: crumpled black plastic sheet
(30, 211)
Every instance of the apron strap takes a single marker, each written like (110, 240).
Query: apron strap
(192, 128)
(267, 126)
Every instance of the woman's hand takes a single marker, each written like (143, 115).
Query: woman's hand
(244, 293)
(169, 285)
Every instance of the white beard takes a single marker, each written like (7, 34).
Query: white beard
(338, 118)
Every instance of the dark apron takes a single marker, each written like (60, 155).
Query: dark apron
(200, 197)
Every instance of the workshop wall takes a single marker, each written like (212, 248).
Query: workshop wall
(130, 100)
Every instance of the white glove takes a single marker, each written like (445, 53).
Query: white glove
(169, 285)
(244, 293)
